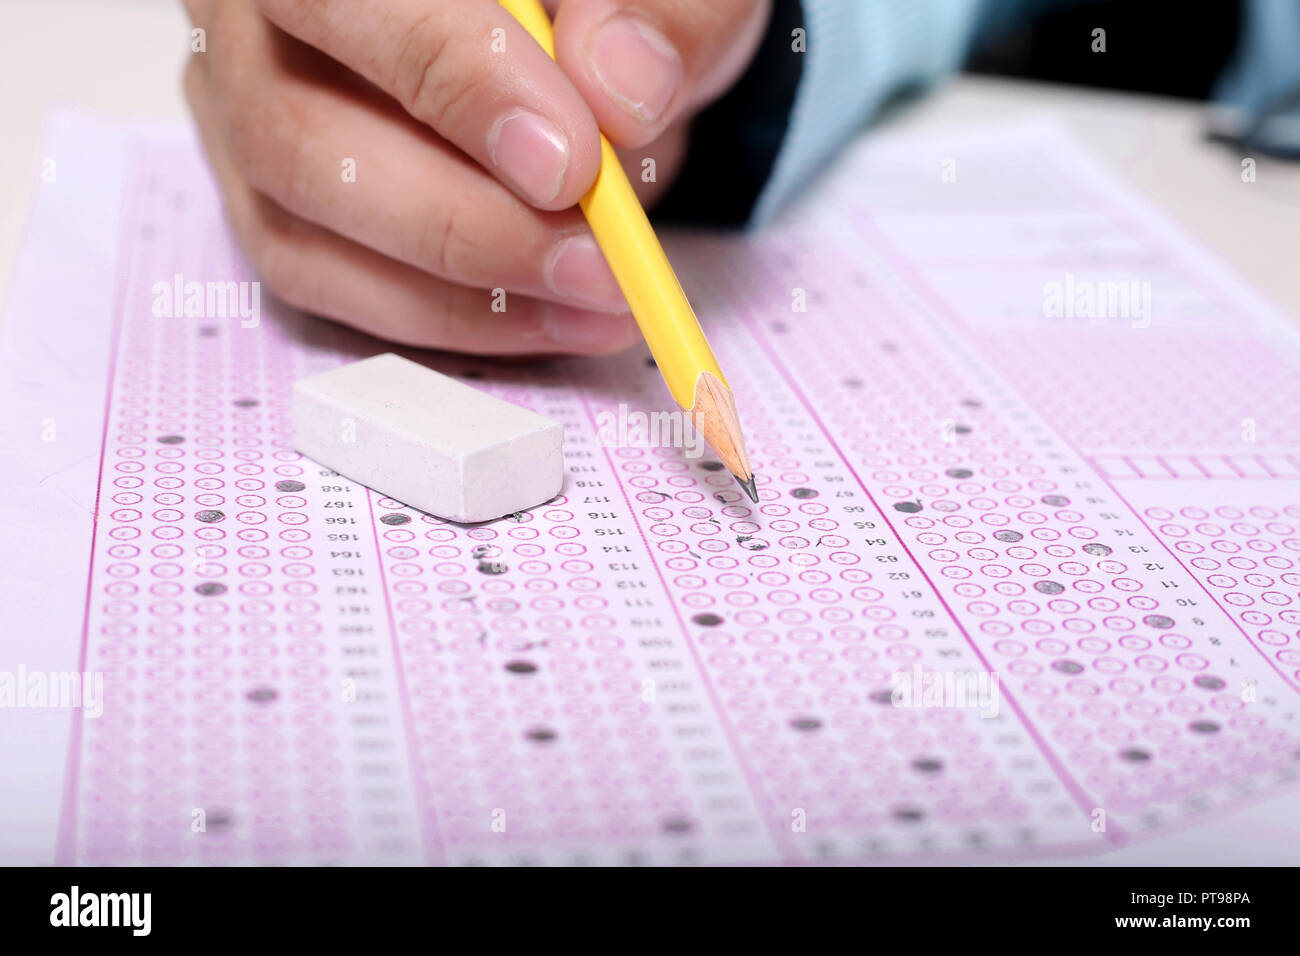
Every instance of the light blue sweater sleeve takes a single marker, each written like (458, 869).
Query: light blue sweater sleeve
(860, 54)
(1262, 82)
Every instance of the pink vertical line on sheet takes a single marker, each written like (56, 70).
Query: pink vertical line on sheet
(1233, 465)
(937, 301)
(1265, 465)
(1197, 462)
(435, 853)
(1166, 466)
(761, 804)
(1204, 590)
(1136, 470)
(65, 852)
(1066, 778)
(924, 289)
(431, 838)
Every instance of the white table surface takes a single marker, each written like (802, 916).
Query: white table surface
(124, 58)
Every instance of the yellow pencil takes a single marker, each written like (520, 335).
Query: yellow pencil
(650, 286)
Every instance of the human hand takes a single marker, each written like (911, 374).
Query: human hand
(470, 149)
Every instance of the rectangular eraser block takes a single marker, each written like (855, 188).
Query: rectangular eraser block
(427, 440)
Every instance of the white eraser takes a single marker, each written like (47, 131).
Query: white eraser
(427, 440)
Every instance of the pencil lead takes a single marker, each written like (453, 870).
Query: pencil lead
(714, 416)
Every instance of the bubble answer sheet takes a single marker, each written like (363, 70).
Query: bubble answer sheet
(1023, 583)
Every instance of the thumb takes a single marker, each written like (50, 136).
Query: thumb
(642, 64)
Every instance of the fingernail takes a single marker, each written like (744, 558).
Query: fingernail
(531, 152)
(587, 331)
(636, 65)
(577, 270)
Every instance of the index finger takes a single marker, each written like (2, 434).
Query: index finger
(473, 74)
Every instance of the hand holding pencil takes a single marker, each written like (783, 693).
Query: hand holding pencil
(391, 163)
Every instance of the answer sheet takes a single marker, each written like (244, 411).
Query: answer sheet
(1023, 581)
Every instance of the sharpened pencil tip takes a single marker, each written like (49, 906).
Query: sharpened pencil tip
(751, 488)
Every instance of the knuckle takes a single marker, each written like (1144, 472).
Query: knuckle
(247, 149)
(742, 11)
(269, 148)
(287, 13)
(434, 76)
(281, 271)
(277, 257)
(724, 18)
(442, 245)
